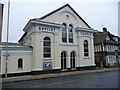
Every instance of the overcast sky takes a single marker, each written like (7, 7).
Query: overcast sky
(96, 13)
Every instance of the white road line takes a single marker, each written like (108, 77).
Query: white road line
(54, 83)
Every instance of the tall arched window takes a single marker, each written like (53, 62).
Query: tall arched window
(72, 59)
(47, 47)
(70, 30)
(64, 33)
(63, 60)
(20, 63)
(86, 52)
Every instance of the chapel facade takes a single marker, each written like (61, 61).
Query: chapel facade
(59, 41)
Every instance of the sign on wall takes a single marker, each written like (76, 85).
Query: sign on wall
(47, 65)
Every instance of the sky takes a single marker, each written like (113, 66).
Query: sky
(97, 13)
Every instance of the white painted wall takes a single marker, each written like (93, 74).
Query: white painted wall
(13, 62)
(34, 61)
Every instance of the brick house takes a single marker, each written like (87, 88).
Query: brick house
(106, 45)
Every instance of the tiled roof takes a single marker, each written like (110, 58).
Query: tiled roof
(14, 46)
(100, 37)
(10, 43)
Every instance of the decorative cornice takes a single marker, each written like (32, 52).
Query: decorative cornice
(86, 29)
(66, 44)
(17, 51)
(32, 22)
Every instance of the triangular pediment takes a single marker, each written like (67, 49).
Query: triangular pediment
(65, 14)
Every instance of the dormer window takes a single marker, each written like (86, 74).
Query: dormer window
(107, 38)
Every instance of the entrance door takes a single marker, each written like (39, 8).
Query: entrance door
(63, 60)
(72, 60)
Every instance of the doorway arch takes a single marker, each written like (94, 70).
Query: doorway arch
(63, 60)
(72, 59)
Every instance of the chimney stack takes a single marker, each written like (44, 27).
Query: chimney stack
(104, 29)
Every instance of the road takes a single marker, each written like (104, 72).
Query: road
(93, 80)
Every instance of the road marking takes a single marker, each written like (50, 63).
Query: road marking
(54, 83)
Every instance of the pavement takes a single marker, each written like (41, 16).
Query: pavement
(52, 75)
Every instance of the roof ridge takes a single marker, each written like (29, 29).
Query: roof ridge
(53, 11)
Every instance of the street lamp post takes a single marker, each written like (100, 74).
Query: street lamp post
(7, 55)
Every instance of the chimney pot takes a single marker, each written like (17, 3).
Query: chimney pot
(104, 29)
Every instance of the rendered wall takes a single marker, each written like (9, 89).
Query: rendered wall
(13, 62)
(76, 21)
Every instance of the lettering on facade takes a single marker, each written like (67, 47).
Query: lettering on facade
(46, 29)
(85, 34)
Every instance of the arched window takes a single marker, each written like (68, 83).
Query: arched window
(47, 47)
(70, 30)
(86, 52)
(63, 60)
(72, 59)
(20, 63)
(64, 33)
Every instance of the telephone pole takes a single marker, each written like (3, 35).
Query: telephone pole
(7, 55)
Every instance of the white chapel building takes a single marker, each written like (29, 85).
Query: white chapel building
(57, 42)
